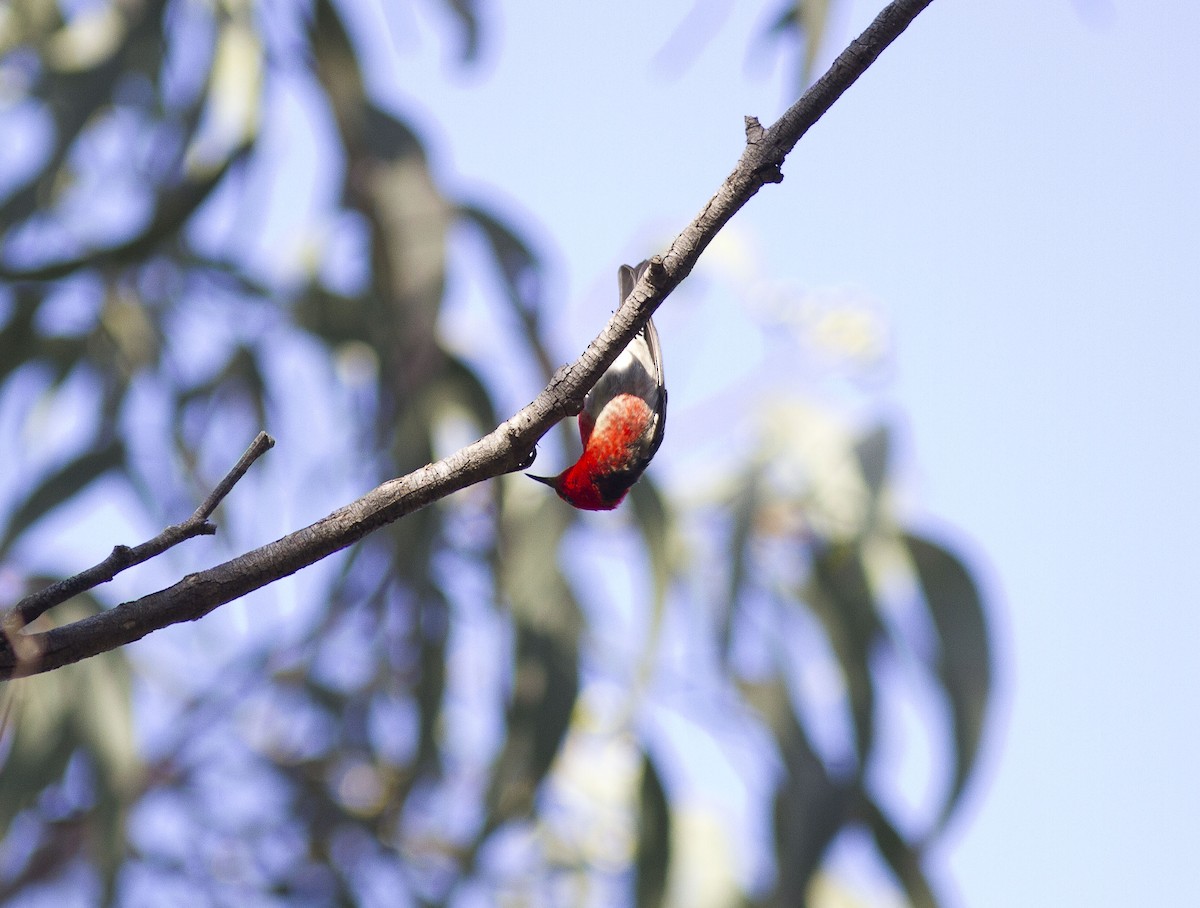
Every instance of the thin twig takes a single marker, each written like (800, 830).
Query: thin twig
(123, 557)
(510, 446)
(261, 445)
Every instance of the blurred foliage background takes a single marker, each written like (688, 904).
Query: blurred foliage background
(439, 716)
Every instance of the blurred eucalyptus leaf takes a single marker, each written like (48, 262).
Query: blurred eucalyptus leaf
(653, 857)
(810, 807)
(873, 451)
(83, 711)
(433, 622)
(61, 486)
(240, 380)
(964, 659)
(902, 858)
(463, 386)
(519, 265)
(744, 510)
(652, 516)
(545, 687)
(73, 98)
(840, 596)
(231, 113)
(548, 622)
(90, 38)
(18, 339)
(806, 20)
(333, 318)
(467, 14)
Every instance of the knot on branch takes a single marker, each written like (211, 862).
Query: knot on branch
(525, 461)
(756, 139)
(657, 271)
(769, 173)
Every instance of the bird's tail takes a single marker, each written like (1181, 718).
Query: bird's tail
(627, 278)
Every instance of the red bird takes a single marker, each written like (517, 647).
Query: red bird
(622, 421)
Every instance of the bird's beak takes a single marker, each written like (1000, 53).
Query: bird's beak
(551, 481)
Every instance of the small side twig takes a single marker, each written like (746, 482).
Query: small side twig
(261, 445)
(123, 557)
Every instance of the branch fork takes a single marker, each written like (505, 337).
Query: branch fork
(14, 621)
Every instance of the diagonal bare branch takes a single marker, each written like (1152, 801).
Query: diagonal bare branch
(512, 444)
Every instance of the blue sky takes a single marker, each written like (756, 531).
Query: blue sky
(1016, 188)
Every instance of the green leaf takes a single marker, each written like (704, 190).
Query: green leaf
(18, 340)
(519, 265)
(240, 380)
(841, 598)
(389, 138)
(530, 578)
(61, 486)
(467, 389)
(653, 519)
(807, 19)
(964, 661)
(873, 451)
(337, 67)
(654, 839)
(43, 739)
(810, 805)
(82, 708)
(902, 858)
(74, 98)
(430, 688)
(467, 13)
(744, 508)
(546, 662)
(234, 98)
(545, 686)
(174, 205)
(814, 14)
(333, 318)
(409, 217)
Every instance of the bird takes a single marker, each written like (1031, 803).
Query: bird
(622, 421)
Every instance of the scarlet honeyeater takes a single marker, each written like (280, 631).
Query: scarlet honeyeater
(622, 421)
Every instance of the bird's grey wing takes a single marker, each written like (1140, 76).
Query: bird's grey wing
(651, 335)
(628, 276)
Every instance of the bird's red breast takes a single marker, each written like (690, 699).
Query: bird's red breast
(622, 421)
(615, 454)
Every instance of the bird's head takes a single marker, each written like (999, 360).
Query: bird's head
(582, 489)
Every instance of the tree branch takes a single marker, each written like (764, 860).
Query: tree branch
(511, 446)
(123, 557)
